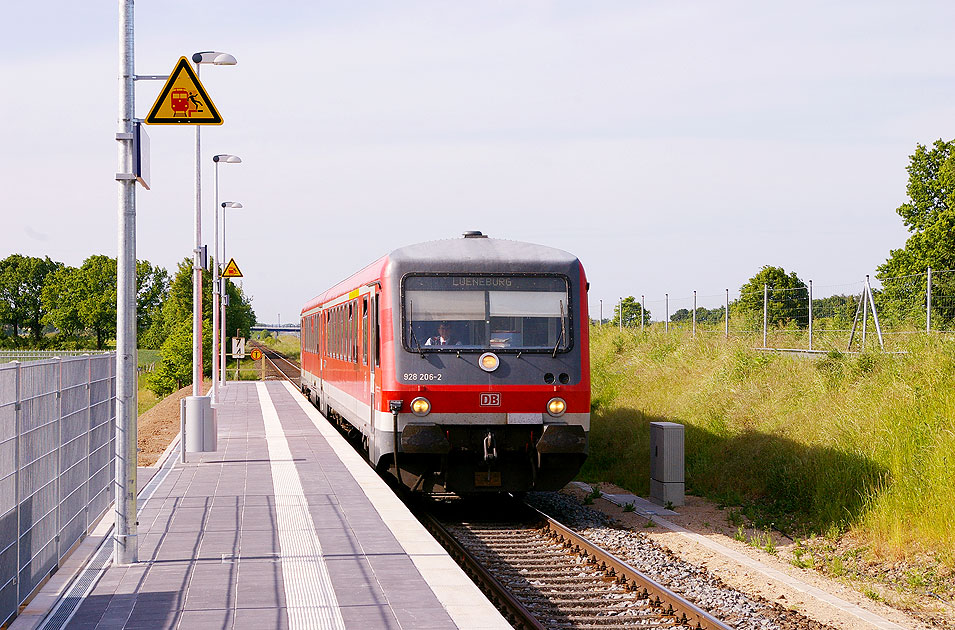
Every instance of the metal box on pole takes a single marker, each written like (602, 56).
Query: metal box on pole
(666, 463)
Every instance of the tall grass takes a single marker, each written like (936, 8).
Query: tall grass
(863, 442)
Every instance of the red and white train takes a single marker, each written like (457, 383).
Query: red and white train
(463, 363)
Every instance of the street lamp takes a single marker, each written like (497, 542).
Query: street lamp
(217, 283)
(217, 59)
(222, 304)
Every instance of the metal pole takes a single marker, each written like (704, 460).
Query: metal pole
(223, 284)
(215, 292)
(694, 313)
(865, 309)
(643, 299)
(765, 311)
(875, 314)
(726, 315)
(666, 312)
(125, 547)
(197, 277)
(620, 313)
(601, 314)
(17, 430)
(928, 302)
(810, 315)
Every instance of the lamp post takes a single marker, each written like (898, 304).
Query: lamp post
(217, 282)
(218, 59)
(222, 301)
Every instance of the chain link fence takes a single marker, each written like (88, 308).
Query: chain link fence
(57, 452)
(843, 317)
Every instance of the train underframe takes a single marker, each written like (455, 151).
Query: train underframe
(475, 459)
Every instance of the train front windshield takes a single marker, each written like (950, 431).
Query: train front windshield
(486, 312)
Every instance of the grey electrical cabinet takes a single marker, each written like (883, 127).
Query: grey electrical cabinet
(666, 463)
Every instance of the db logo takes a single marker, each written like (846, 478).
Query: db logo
(490, 400)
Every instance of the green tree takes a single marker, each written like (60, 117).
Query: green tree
(174, 369)
(703, 315)
(61, 300)
(173, 330)
(152, 289)
(929, 214)
(931, 186)
(787, 301)
(97, 306)
(631, 313)
(21, 287)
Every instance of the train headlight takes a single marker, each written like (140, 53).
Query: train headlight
(556, 407)
(420, 406)
(489, 362)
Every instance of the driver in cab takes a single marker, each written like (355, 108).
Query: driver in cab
(443, 338)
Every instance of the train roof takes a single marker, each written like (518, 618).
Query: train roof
(475, 250)
(473, 253)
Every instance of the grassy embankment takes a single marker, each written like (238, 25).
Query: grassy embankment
(862, 444)
(146, 397)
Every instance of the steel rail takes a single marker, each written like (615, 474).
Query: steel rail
(515, 612)
(624, 573)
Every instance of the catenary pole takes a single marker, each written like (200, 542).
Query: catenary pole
(810, 315)
(928, 301)
(125, 546)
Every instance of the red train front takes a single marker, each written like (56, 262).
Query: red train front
(463, 364)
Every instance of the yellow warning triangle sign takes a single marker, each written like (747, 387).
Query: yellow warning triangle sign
(183, 100)
(232, 270)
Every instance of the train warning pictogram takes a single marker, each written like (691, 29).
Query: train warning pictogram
(183, 100)
(232, 270)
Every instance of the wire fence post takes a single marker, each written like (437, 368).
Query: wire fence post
(643, 299)
(928, 301)
(57, 461)
(666, 311)
(18, 430)
(810, 315)
(694, 313)
(765, 311)
(726, 315)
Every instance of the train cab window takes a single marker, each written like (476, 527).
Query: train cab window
(486, 312)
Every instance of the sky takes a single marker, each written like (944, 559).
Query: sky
(671, 146)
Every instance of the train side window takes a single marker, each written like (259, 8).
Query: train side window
(377, 332)
(364, 330)
(354, 333)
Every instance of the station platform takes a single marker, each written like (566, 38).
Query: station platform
(285, 526)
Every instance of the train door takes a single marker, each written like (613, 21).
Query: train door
(372, 346)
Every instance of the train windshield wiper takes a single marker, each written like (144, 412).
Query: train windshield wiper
(561, 335)
(411, 328)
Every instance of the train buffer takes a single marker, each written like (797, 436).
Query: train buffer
(285, 526)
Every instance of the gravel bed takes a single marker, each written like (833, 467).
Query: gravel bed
(697, 584)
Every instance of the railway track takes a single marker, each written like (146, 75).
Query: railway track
(277, 365)
(542, 574)
(539, 573)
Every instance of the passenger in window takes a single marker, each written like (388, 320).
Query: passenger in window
(445, 337)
